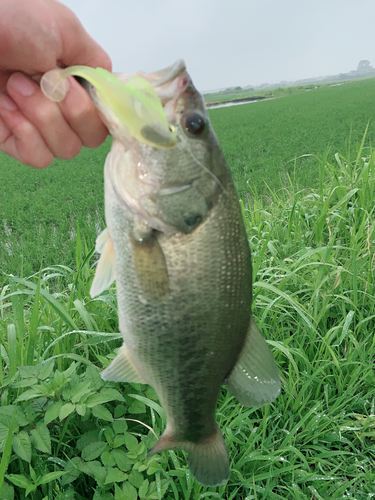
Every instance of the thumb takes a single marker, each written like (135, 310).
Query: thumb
(77, 46)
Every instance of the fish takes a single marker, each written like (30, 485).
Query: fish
(176, 244)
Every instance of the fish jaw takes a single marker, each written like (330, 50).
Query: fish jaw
(166, 81)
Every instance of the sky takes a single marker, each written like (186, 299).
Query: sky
(230, 43)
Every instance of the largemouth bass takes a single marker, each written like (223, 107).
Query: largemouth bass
(176, 244)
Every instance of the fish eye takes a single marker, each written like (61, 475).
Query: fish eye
(195, 123)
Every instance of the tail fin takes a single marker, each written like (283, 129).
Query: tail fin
(208, 459)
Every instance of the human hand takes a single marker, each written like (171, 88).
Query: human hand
(36, 36)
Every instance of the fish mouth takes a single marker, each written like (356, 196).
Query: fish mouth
(167, 75)
(169, 83)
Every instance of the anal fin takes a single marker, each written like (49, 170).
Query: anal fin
(255, 379)
(122, 369)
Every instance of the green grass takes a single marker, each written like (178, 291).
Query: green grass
(64, 434)
(266, 142)
(40, 209)
(74, 437)
(230, 94)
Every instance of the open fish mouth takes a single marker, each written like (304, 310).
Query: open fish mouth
(169, 84)
(167, 75)
(163, 80)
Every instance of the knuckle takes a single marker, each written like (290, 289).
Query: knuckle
(25, 131)
(106, 62)
(95, 140)
(77, 101)
(40, 159)
(31, 148)
(45, 113)
(71, 149)
(43, 162)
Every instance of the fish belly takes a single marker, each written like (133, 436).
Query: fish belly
(186, 341)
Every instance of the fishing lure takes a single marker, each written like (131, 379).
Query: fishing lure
(135, 103)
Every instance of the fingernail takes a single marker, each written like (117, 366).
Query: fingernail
(22, 85)
(7, 103)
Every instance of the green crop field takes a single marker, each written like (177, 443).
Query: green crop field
(40, 209)
(264, 141)
(67, 435)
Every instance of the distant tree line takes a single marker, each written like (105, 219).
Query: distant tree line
(364, 66)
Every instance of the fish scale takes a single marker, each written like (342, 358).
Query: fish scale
(177, 246)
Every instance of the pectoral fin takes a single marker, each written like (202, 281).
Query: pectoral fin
(255, 379)
(122, 369)
(151, 268)
(105, 271)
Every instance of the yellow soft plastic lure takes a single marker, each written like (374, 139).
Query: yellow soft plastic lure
(136, 103)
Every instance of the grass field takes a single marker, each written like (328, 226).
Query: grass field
(240, 93)
(264, 142)
(39, 210)
(66, 435)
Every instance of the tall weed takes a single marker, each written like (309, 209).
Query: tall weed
(65, 434)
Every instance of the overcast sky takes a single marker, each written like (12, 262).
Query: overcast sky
(238, 42)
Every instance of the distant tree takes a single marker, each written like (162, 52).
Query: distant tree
(238, 88)
(364, 66)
